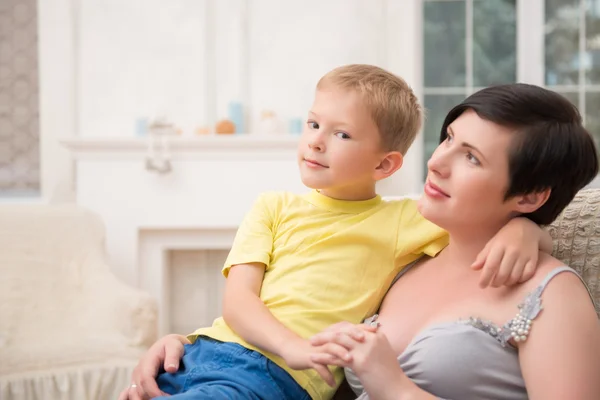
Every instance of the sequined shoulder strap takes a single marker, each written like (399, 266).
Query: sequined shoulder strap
(557, 271)
(518, 327)
(552, 274)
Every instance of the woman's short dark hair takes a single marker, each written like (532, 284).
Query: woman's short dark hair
(551, 148)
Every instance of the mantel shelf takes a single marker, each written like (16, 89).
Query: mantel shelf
(200, 147)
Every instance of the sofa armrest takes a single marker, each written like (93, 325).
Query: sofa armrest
(122, 308)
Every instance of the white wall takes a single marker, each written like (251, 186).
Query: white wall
(293, 43)
(140, 58)
(143, 57)
(188, 59)
(57, 83)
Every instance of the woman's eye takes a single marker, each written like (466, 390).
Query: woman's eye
(342, 135)
(449, 138)
(472, 159)
(312, 125)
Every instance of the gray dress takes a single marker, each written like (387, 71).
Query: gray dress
(470, 359)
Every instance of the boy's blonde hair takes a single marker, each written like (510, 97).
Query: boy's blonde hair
(391, 102)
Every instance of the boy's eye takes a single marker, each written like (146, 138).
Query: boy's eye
(312, 125)
(342, 135)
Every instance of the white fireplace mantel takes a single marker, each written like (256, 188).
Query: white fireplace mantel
(249, 146)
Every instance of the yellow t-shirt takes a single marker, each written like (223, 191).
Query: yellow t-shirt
(326, 261)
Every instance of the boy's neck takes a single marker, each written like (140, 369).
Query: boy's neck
(344, 206)
(349, 194)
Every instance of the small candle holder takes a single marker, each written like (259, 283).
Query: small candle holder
(158, 156)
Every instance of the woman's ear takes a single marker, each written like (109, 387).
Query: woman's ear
(529, 203)
(390, 164)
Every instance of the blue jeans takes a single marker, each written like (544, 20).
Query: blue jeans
(211, 369)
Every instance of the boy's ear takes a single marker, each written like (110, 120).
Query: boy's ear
(529, 203)
(390, 164)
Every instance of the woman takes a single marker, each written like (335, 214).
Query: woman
(505, 151)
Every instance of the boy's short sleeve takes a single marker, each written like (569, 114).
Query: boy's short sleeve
(417, 236)
(254, 238)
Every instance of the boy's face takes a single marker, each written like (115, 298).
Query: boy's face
(340, 148)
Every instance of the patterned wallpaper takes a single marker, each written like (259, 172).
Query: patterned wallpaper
(19, 100)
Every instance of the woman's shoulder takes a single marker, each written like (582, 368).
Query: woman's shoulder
(550, 269)
(546, 264)
(554, 282)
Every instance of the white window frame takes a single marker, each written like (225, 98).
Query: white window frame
(530, 42)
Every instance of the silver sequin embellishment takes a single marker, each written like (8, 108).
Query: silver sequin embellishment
(517, 328)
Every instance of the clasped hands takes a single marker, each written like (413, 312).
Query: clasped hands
(361, 347)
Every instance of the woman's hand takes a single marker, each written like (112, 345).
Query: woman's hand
(366, 350)
(359, 347)
(166, 352)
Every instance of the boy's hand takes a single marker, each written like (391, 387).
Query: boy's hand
(368, 352)
(166, 352)
(512, 255)
(297, 356)
(333, 345)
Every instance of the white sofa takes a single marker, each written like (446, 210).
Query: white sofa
(69, 329)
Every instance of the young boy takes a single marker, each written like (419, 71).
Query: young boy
(300, 263)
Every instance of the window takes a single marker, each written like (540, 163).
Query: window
(19, 109)
(468, 45)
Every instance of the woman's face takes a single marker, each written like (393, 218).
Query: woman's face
(468, 176)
